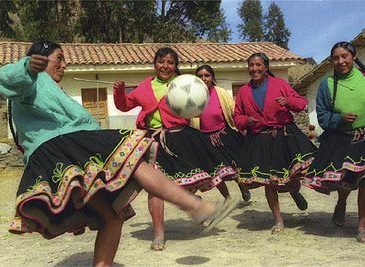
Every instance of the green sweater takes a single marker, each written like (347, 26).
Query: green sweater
(41, 109)
(350, 96)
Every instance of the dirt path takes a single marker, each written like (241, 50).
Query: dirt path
(243, 239)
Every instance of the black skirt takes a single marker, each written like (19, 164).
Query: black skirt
(187, 157)
(64, 173)
(274, 156)
(230, 143)
(339, 163)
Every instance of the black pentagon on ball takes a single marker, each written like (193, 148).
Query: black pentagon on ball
(186, 88)
(190, 103)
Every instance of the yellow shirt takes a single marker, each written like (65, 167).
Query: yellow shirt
(159, 88)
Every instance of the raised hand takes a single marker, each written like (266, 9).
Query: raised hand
(118, 86)
(38, 63)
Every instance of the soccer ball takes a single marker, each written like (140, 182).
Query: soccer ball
(187, 96)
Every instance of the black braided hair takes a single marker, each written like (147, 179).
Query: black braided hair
(208, 69)
(266, 60)
(43, 48)
(163, 51)
(351, 48)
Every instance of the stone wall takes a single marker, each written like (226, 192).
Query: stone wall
(3, 119)
(14, 158)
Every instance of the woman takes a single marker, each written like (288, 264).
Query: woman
(340, 161)
(77, 175)
(276, 150)
(216, 121)
(185, 155)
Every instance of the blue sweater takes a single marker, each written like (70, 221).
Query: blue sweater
(327, 118)
(41, 109)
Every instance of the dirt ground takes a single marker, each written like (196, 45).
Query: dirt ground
(243, 239)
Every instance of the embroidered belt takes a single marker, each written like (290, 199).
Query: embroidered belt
(162, 132)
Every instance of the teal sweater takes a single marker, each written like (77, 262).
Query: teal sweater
(41, 109)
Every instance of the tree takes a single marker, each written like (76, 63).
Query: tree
(251, 28)
(6, 8)
(191, 21)
(113, 20)
(45, 20)
(274, 25)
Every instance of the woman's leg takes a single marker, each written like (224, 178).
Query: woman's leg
(245, 192)
(361, 210)
(298, 198)
(222, 187)
(156, 208)
(157, 184)
(339, 213)
(108, 238)
(273, 201)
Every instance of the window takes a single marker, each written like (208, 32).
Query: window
(96, 104)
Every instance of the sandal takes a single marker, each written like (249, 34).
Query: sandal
(299, 200)
(158, 245)
(222, 210)
(338, 217)
(278, 227)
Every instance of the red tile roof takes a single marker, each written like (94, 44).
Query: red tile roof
(127, 53)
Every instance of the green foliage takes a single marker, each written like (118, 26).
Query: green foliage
(251, 28)
(275, 30)
(184, 21)
(257, 28)
(47, 20)
(112, 21)
(6, 8)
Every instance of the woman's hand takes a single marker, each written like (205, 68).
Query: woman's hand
(349, 117)
(282, 101)
(38, 63)
(252, 121)
(118, 87)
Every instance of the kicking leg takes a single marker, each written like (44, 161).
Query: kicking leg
(156, 183)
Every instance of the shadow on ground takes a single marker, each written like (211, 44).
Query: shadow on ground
(80, 260)
(187, 230)
(307, 222)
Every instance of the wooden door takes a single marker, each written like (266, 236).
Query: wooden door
(97, 105)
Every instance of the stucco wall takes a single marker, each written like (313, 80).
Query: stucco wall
(227, 74)
(117, 119)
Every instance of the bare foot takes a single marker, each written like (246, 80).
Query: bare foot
(338, 217)
(158, 244)
(278, 227)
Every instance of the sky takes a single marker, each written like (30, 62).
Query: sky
(315, 25)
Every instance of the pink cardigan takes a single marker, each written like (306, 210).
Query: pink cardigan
(144, 97)
(273, 114)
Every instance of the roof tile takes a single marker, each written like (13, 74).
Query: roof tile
(126, 53)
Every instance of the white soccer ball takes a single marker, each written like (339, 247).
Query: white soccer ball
(187, 96)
